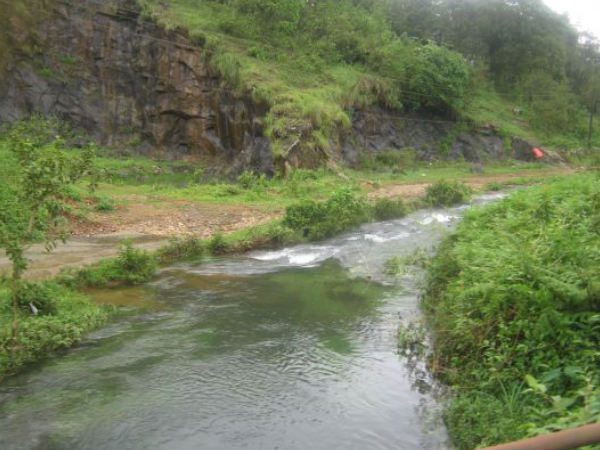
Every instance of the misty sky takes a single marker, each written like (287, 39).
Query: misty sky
(584, 14)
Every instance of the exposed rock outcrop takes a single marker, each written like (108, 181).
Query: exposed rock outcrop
(128, 83)
(431, 138)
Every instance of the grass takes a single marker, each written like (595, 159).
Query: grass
(131, 266)
(54, 315)
(513, 299)
(138, 180)
(338, 57)
(487, 106)
(447, 193)
(302, 90)
(40, 335)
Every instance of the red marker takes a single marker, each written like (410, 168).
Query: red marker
(537, 153)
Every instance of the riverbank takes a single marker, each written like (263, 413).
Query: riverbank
(307, 220)
(512, 300)
(135, 203)
(298, 344)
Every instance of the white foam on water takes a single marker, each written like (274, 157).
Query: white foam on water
(304, 256)
(303, 259)
(271, 256)
(438, 217)
(375, 238)
(381, 239)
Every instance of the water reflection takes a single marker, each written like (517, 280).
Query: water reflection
(291, 349)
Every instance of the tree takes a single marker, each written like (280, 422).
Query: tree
(35, 177)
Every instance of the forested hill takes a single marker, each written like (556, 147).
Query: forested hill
(512, 64)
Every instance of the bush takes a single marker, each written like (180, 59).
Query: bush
(72, 316)
(40, 295)
(322, 220)
(386, 209)
(131, 266)
(391, 160)
(515, 292)
(179, 249)
(104, 204)
(493, 186)
(447, 193)
(250, 180)
(134, 265)
(217, 244)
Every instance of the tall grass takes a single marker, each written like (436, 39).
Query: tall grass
(513, 297)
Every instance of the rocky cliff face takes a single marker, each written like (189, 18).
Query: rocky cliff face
(430, 138)
(128, 83)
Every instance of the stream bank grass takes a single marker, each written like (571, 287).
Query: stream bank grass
(131, 266)
(71, 316)
(513, 299)
(447, 193)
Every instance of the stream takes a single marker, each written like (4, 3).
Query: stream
(286, 349)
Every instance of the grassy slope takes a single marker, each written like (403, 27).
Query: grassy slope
(487, 106)
(305, 90)
(513, 293)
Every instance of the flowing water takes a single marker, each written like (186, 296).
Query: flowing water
(287, 349)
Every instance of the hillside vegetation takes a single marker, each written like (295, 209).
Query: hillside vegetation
(313, 63)
(514, 64)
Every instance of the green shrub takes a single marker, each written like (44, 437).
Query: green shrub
(40, 295)
(104, 204)
(134, 265)
(179, 249)
(493, 186)
(515, 293)
(394, 266)
(447, 193)
(217, 245)
(390, 160)
(131, 266)
(250, 180)
(386, 209)
(398, 265)
(73, 315)
(322, 220)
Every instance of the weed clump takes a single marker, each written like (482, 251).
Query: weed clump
(447, 193)
(391, 160)
(36, 298)
(387, 209)
(63, 318)
(131, 266)
(179, 249)
(217, 245)
(513, 301)
(322, 220)
(104, 204)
